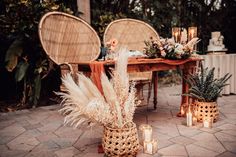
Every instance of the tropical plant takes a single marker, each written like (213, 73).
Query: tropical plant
(25, 57)
(204, 87)
(84, 104)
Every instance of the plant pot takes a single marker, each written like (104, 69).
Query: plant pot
(207, 109)
(121, 142)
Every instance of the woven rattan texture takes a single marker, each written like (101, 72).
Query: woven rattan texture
(121, 142)
(207, 109)
(68, 39)
(131, 34)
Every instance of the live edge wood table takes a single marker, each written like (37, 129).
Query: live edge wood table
(187, 66)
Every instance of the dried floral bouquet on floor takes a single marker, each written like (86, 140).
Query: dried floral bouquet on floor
(84, 105)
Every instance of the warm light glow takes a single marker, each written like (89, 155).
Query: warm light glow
(207, 122)
(150, 147)
(176, 33)
(194, 120)
(192, 33)
(147, 133)
(189, 116)
(176, 36)
(182, 110)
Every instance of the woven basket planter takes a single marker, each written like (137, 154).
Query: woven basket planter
(207, 109)
(121, 142)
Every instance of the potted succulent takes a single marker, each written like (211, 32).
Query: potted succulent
(206, 89)
(85, 105)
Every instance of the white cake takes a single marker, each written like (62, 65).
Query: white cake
(216, 42)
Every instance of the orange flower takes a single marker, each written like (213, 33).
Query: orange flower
(114, 42)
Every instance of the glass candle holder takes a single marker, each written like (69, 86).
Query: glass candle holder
(182, 111)
(176, 31)
(147, 133)
(150, 147)
(189, 118)
(194, 120)
(192, 33)
(207, 122)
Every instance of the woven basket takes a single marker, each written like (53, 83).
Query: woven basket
(121, 142)
(207, 109)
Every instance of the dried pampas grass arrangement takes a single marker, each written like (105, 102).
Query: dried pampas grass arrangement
(84, 105)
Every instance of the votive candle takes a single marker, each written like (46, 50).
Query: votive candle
(150, 147)
(207, 122)
(147, 133)
(189, 116)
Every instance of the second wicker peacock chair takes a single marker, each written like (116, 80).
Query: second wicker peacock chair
(132, 33)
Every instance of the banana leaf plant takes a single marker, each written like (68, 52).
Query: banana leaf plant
(25, 56)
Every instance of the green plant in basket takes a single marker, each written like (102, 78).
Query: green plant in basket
(205, 88)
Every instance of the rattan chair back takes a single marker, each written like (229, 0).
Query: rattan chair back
(68, 39)
(130, 33)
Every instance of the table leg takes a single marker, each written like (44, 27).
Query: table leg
(155, 82)
(185, 87)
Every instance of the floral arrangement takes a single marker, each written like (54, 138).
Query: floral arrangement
(169, 49)
(84, 105)
(110, 48)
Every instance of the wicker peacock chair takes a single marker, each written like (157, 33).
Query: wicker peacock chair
(68, 40)
(131, 34)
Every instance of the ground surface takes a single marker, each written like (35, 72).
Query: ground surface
(40, 132)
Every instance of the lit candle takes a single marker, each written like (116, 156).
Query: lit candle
(147, 133)
(150, 147)
(207, 122)
(195, 117)
(176, 36)
(194, 120)
(182, 110)
(143, 126)
(191, 33)
(189, 119)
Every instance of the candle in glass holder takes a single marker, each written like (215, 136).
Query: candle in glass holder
(195, 112)
(142, 126)
(192, 33)
(207, 122)
(189, 117)
(176, 33)
(150, 147)
(194, 120)
(182, 110)
(147, 133)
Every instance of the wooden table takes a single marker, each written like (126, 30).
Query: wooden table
(141, 65)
